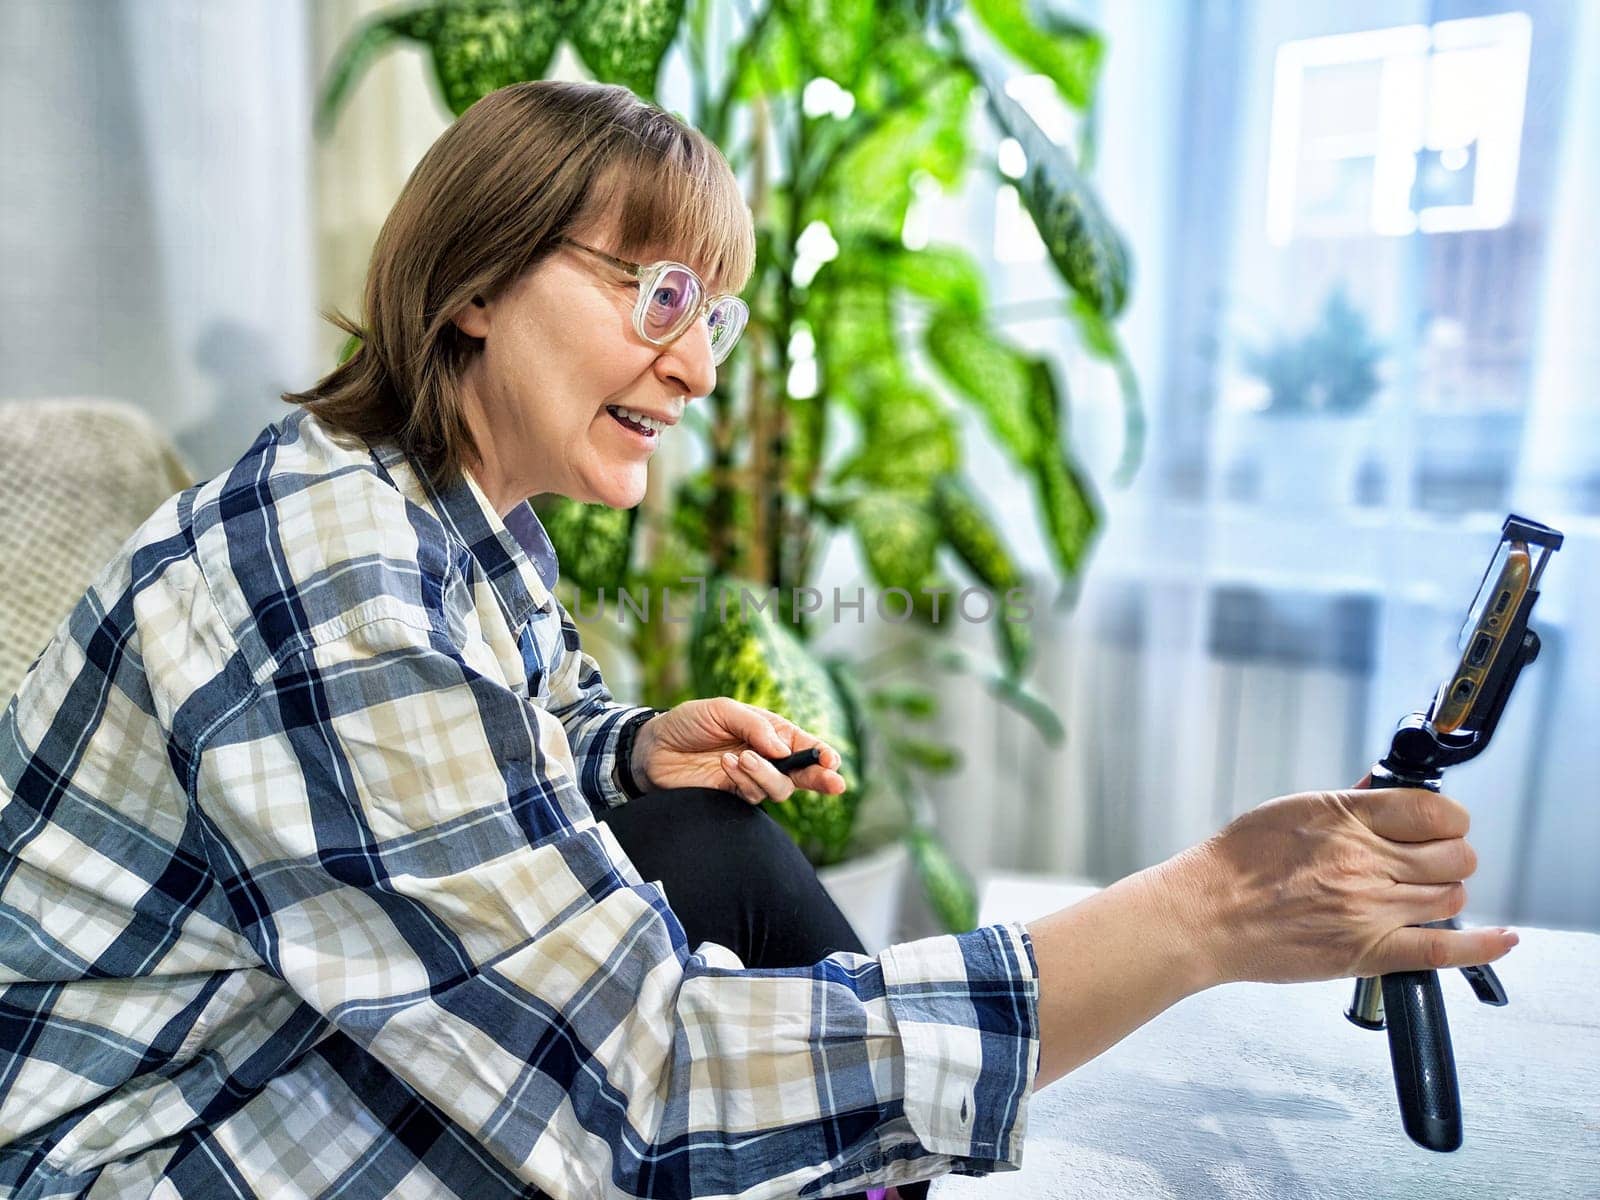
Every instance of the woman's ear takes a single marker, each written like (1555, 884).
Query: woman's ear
(473, 319)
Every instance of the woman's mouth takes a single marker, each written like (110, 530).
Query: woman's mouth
(648, 429)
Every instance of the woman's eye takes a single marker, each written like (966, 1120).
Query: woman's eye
(667, 297)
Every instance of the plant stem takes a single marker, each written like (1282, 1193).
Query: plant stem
(726, 476)
(788, 304)
(760, 564)
(760, 479)
(719, 515)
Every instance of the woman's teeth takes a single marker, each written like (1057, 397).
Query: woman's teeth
(637, 420)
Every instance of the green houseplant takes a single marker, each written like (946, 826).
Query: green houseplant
(826, 424)
(1304, 444)
(1331, 368)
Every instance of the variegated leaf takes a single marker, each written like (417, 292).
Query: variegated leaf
(624, 41)
(1082, 243)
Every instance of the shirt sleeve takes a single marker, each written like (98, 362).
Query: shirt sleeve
(593, 720)
(397, 844)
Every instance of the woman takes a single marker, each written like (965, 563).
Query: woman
(328, 864)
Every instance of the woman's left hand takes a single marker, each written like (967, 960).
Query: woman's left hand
(720, 743)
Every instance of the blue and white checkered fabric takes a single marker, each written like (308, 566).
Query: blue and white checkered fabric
(302, 894)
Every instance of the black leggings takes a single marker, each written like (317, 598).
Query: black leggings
(733, 876)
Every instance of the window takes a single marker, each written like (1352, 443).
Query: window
(1387, 260)
(1392, 131)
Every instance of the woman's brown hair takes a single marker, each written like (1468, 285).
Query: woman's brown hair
(520, 168)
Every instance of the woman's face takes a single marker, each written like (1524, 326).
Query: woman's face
(560, 357)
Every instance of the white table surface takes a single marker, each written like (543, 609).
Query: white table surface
(1255, 1090)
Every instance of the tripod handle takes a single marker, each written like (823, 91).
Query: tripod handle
(1423, 1060)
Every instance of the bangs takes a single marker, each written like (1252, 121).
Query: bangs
(677, 200)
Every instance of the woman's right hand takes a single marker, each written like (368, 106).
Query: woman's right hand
(1327, 885)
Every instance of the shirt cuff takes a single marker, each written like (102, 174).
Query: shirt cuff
(967, 1010)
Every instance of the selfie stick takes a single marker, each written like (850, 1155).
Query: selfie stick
(1496, 645)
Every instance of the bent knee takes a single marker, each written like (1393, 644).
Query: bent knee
(727, 824)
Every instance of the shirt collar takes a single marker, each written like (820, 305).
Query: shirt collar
(524, 525)
(515, 554)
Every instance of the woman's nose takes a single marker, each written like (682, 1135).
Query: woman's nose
(687, 362)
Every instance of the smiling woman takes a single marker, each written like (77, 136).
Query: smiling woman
(477, 235)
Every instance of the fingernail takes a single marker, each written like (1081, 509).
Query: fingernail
(1511, 936)
(749, 758)
(728, 760)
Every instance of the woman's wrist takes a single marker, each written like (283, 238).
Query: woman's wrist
(1189, 890)
(1113, 961)
(633, 751)
(642, 742)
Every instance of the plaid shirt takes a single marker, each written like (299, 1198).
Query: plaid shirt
(302, 894)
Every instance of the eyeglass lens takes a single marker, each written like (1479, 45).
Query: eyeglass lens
(673, 302)
(674, 299)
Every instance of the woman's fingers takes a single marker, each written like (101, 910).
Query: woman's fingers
(756, 778)
(1444, 861)
(1434, 949)
(743, 785)
(1408, 814)
(822, 777)
(792, 735)
(766, 731)
(1416, 903)
(768, 778)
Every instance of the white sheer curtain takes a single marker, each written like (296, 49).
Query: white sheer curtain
(1557, 474)
(155, 222)
(1235, 642)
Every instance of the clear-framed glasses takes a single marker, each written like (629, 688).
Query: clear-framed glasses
(672, 298)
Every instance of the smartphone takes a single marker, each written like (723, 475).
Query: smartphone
(1489, 619)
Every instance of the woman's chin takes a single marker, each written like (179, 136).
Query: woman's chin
(624, 489)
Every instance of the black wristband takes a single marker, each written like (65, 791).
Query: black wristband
(631, 788)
